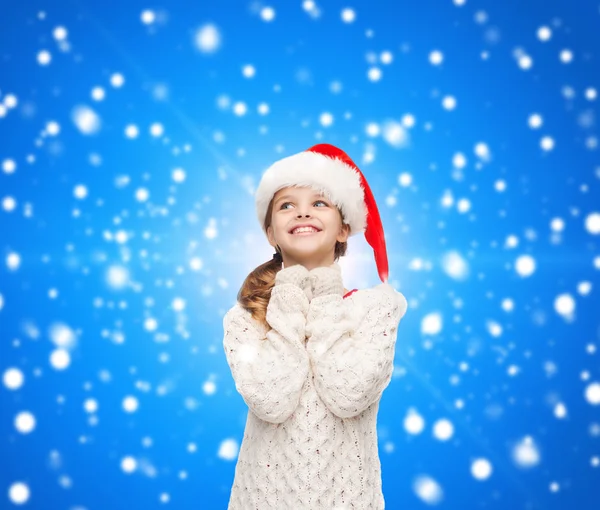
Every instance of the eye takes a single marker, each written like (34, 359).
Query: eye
(285, 203)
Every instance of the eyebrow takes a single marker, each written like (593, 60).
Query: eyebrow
(290, 196)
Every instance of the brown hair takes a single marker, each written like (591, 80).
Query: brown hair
(255, 292)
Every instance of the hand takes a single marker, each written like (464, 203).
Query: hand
(326, 280)
(297, 275)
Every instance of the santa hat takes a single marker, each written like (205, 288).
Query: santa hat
(329, 170)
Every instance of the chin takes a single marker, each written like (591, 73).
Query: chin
(307, 254)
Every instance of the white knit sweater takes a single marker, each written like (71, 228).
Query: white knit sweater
(312, 385)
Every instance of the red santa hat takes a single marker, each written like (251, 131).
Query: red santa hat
(329, 170)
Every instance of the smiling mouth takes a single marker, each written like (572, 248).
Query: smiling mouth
(310, 233)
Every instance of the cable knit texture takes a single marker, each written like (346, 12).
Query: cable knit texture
(312, 385)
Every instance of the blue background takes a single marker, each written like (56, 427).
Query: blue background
(185, 434)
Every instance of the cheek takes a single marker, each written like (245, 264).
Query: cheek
(281, 227)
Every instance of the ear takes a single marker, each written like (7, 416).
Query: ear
(270, 236)
(344, 233)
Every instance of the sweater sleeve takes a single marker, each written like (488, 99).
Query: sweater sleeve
(269, 369)
(351, 346)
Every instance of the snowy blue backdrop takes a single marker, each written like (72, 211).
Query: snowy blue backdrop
(133, 136)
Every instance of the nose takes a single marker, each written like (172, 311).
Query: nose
(299, 215)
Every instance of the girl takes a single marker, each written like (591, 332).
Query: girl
(309, 358)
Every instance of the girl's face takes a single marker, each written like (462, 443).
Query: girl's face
(294, 206)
